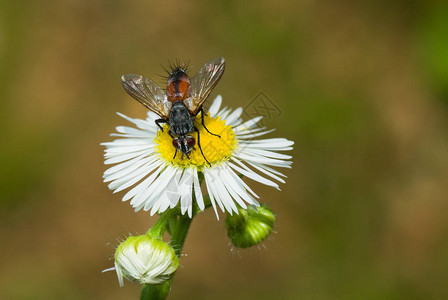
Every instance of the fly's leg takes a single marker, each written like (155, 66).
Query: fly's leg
(175, 153)
(203, 123)
(172, 136)
(161, 121)
(200, 148)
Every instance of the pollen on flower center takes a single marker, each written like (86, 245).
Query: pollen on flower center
(216, 149)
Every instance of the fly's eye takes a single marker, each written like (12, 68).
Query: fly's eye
(190, 142)
(176, 143)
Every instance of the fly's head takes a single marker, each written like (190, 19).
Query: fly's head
(184, 144)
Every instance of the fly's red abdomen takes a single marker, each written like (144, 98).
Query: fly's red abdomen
(177, 85)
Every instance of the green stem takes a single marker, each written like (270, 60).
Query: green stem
(159, 291)
(161, 225)
(177, 226)
(180, 233)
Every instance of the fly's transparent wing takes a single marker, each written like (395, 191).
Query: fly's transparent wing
(148, 93)
(203, 83)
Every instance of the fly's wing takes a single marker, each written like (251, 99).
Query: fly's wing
(148, 93)
(203, 83)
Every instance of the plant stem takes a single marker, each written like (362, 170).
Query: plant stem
(177, 226)
(180, 233)
(178, 236)
(162, 224)
(159, 291)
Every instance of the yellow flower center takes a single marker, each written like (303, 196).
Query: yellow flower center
(215, 149)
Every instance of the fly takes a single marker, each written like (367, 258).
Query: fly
(180, 103)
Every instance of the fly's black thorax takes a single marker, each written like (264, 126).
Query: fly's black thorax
(180, 121)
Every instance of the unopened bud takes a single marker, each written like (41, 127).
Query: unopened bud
(145, 260)
(250, 227)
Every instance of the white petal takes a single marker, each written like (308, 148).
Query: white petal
(129, 169)
(230, 120)
(242, 131)
(127, 142)
(230, 189)
(212, 178)
(270, 154)
(222, 197)
(225, 196)
(142, 124)
(148, 195)
(263, 160)
(162, 203)
(121, 166)
(113, 152)
(248, 124)
(271, 143)
(124, 157)
(159, 185)
(251, 174)
(143, 185)
(241, 187)
(214, 108)
(223, 113)
(134, 132)
(207, 179)
(151, 116)
(197, 189)
(186, 193)
(126, 181)
(245, 135)
(262, 169)
(119, 275)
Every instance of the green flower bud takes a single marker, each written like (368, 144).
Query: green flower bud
(250, 226)
(145, 260)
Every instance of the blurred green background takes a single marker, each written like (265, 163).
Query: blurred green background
(362, 89)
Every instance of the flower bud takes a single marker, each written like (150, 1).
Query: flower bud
(250, 226)
(145, 260)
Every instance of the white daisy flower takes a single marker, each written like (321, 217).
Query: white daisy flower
(145, 160)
